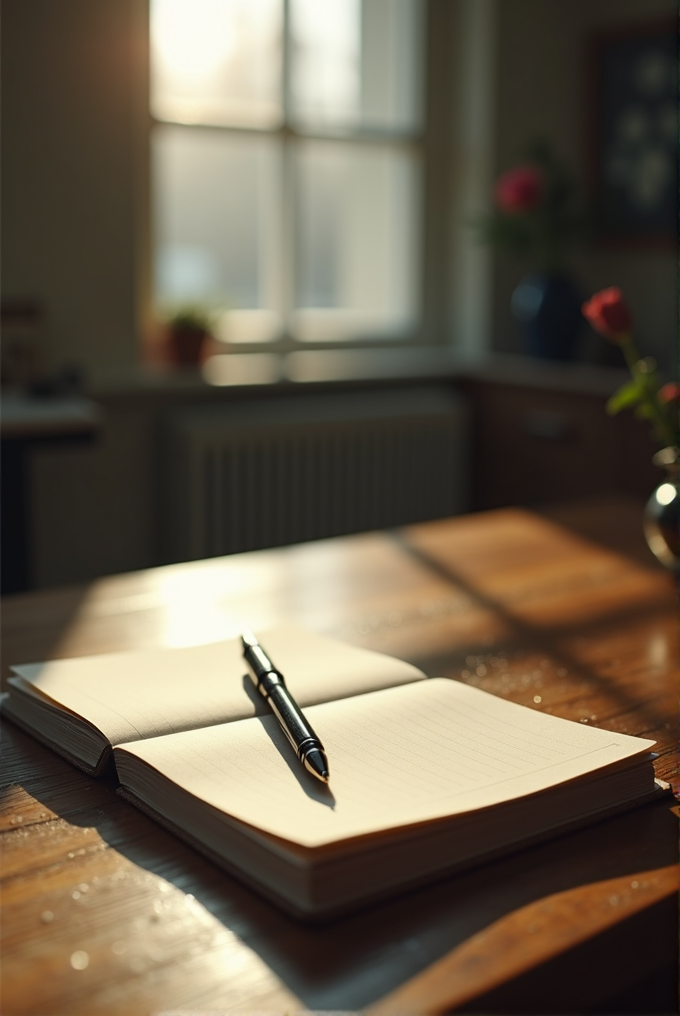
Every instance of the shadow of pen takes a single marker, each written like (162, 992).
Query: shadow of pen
(312, 787)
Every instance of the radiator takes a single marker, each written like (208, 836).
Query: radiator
(266, 472)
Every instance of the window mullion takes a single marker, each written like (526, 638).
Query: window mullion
(286, 64)
(286, 269)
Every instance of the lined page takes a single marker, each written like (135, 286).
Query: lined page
(135, 695)
(405, 755)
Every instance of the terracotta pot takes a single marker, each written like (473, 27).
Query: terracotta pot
(186, 345)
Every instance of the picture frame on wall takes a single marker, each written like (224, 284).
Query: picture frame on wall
(634, 126)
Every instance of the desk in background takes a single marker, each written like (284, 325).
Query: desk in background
(105, 912)
(24, 423)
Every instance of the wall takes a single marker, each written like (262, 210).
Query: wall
(472, 128)
(542, 75)
(74, 192)
(72, 165)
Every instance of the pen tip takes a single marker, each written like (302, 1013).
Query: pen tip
(316, 763)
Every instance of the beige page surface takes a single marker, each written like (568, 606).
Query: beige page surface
(405, 755)
(135, 695)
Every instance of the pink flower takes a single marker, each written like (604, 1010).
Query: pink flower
(608, 314)
(520, 189)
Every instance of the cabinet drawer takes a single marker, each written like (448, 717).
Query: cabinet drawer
(536, 445)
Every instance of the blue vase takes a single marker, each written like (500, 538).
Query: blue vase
(548, 308)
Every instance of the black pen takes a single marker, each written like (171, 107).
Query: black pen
(271, 685)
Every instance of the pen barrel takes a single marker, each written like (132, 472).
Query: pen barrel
(293, 723)
(262, 670)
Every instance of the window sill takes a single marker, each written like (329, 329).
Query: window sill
(249, 372)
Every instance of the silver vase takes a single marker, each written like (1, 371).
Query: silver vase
(661, 519)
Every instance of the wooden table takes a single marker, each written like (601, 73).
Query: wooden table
(104, 912)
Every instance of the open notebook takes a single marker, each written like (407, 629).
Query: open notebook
(427, 776)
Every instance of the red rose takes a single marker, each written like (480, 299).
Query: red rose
(670, 392)
(519, 189)
(608, 314)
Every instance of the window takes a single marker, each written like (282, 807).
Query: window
(287, 166)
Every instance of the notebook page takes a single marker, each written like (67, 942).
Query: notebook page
(401, 756)
(135, 695)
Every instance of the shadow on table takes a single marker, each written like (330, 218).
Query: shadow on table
(611, 522)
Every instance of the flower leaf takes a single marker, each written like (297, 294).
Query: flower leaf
(644, 411)
(629, 394)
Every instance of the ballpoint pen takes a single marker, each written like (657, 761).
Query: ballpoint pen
(271, 685)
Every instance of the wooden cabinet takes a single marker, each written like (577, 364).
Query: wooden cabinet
(534, 444)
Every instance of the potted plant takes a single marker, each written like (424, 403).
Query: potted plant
(537, 218)
(187, 330)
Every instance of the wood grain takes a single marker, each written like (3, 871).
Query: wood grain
(526, 938)
(105, 913)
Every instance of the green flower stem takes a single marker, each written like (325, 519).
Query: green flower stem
(662, 425)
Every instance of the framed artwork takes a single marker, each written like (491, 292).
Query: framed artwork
(634, 118)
